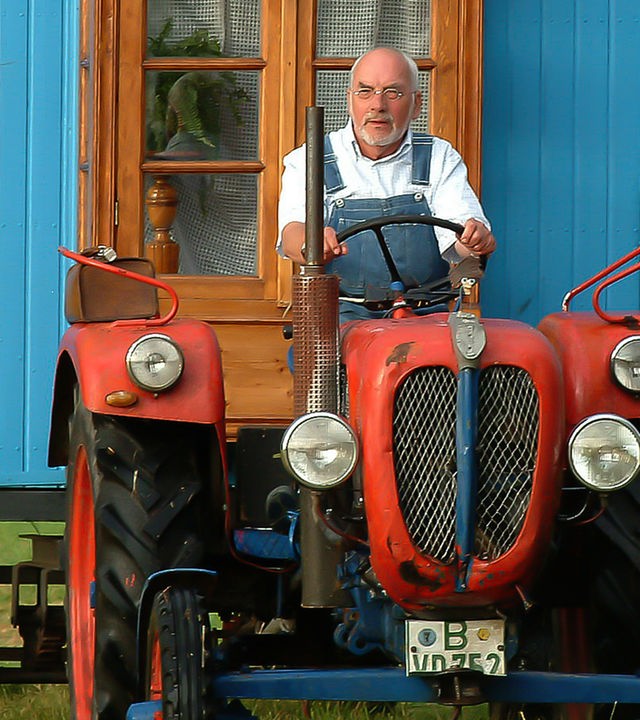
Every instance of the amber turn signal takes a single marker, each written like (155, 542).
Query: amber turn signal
(121, 398)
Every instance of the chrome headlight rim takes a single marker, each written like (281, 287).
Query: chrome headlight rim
(615, 357)
(172, 378)
(580, 428)
(295, 427)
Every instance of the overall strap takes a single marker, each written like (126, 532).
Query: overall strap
(422, 146)
(332, 178)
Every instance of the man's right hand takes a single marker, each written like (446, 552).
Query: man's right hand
(293, 239)
(332, 248)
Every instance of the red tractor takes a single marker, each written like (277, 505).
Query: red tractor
(452, 517)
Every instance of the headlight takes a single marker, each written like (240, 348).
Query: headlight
(155, 362)
(320, 450)
(625, 363)
(604, 452)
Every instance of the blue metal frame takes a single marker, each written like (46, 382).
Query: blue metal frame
(392, 685)
(467, 475)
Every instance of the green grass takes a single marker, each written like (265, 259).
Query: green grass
(51, 702)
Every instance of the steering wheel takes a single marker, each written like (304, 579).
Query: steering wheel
(426, 292)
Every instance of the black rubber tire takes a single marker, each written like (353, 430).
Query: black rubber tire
(146, 482)
(615, 592)
(178, 639)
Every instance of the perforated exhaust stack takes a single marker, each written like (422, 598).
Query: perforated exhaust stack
(315, 380)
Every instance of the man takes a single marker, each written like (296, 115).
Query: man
(377, 166)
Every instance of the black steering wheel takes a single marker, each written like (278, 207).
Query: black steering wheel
(427, 293)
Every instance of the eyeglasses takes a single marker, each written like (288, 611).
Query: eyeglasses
(390, 93)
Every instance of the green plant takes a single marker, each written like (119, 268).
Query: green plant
(190, 103)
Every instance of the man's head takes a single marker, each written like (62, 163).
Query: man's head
(380, 122)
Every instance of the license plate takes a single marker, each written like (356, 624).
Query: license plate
(436, 646)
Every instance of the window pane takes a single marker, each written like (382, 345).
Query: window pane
(203, 28)
(331, 93)
(215, 225)
(202, 115)
(347, 29)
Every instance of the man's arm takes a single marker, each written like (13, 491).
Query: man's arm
(454, 199)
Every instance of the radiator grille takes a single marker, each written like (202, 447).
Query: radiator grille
(424, 436)
(424, 429)
(507, 450)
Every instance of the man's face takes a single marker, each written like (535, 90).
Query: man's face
(380, 123)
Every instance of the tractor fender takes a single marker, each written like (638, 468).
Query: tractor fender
(92, 357)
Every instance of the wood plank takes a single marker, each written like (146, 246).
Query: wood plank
(258, 383)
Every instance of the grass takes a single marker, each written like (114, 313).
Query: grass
(51, 702)
(35, 702)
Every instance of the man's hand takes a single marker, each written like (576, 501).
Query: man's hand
(332, 248)
(476, 239)
(293, 240)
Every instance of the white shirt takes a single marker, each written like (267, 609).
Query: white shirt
(448, 194)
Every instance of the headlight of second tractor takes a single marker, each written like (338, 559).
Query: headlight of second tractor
(625, 364)
(155, 362)
(320, 450)
(604, 452)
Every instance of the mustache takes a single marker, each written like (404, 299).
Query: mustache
(382, 115)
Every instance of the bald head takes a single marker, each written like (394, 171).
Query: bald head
(383, 52)
(381, 119)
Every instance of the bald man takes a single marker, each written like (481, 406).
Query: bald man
(376, 166)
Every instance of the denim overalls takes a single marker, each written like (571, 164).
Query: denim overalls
(414, 247)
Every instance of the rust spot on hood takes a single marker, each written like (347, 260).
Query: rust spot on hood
(399, 353)
(409, 573)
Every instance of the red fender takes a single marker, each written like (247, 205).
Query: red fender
(93, 355)
(584, 342)
(98, 350)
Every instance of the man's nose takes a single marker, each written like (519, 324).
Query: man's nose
(378, 100)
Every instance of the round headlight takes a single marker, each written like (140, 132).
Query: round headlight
(320, 450)
(625, 363)
(155, 362)
(604, 452)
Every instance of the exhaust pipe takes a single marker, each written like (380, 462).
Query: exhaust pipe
(316, 367)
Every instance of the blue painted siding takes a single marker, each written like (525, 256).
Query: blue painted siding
(561, 157)
(38, 62)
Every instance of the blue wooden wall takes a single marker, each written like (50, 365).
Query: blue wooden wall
(561, 148)
(38, 65)
(561, 177)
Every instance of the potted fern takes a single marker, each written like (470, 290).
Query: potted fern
(185, 108)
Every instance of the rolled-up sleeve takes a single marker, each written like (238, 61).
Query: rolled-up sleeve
(453, 197)
(291, 206)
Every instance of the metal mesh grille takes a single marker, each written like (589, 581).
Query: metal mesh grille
(507, 450)
(315, 343)
(425, 458)
(424, 432)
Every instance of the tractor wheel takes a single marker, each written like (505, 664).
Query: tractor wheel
(178, 641)
(615, 588)
(133, 488)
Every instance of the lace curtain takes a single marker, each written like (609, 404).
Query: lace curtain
(216, 223)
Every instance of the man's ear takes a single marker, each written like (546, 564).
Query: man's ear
(417, 105)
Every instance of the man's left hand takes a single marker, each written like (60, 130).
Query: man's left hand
(477, 238)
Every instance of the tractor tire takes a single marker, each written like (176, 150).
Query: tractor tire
(135, 506)
(615, 592)
(178, 642)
